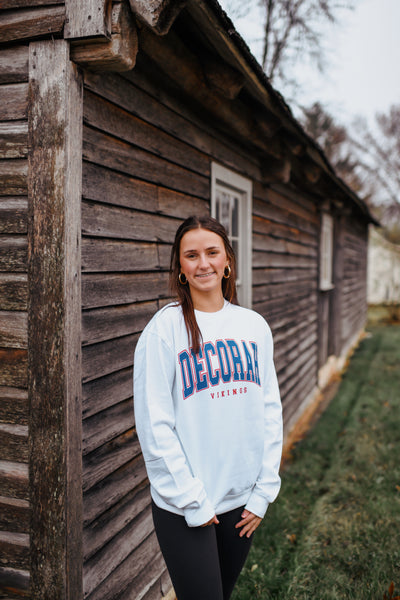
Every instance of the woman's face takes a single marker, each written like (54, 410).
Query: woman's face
(203, 258)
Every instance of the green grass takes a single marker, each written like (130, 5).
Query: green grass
(334, 531)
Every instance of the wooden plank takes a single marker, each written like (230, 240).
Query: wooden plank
(118, 53)
(13, 254)
(29, 23)
(13, 215)
(26, 3)
(282, 261)
(15, 582)
(113, 153)
(13, 367)
(122, 223)
(286, 336)
(14, 64)
(98, 533)
(164, 255)
(13, 329)
(105, 426)
(293, 201)
(13, 139)
(13, 101)
(275, 309)
(14, 549)
(55, 138)
(140, 566)
(14, 514)
(175, 204)
(122, 124)
(291, 352)
(98, 499)
(150, 583)
(285, 231)
(106, 290)
(107, 323)
(268, 243)
(109, 255)
(295, 369)
(271, 211)
(117, 550)
(101, 393)
(13, 405)
(89, 19)
(118, 189)
(185, 70)
(298, 395)
(13, 291)
(103, 358)
(13, 177)
(291, 313)
(14, 442)
(275, 275)
(282, 290)
(107, 459)
(14, 479)
(151, 103)
(160, 15)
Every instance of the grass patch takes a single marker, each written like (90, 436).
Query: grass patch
(334, 531)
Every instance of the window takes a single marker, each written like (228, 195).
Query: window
(326, 256)
(231, 205)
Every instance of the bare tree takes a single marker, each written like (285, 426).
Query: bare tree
(368, 161)
(336, 143)
(294, 29)
(378, 155)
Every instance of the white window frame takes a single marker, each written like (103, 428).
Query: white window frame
(226, 180)
(326, 253)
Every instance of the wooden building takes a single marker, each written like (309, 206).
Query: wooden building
(117, 120)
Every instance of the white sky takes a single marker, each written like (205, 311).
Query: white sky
(363, 72)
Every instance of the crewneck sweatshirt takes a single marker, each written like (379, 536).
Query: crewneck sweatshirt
(209, 424)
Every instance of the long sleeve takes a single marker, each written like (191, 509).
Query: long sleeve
(167, 468)
(268, 482)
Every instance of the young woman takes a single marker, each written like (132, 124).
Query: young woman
(208, 416)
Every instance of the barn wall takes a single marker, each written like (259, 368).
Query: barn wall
(147, 160)
(354, 302)
(14, 491)
(27, 19)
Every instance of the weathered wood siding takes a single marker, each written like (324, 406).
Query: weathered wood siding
(285, 267)
(354, 302)
(147, 158)
(27, 19)
(14, 487)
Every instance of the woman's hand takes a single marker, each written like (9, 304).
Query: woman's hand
(211, 521)
(249, 523)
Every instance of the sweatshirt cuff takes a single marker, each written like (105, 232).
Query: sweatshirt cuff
(257, 505)
(195, 517)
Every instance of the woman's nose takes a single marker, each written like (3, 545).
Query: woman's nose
(203, 262)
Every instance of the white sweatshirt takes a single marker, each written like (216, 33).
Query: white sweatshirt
(210, 425)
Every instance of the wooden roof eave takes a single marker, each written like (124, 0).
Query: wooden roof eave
(222, 35)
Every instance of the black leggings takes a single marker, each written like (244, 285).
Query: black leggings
(203, 562)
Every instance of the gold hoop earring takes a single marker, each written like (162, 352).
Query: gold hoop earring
(227, 275)
(180, 279)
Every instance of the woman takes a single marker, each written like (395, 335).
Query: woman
(208, 417)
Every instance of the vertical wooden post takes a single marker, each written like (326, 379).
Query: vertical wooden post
(54, 318)
(88, 19)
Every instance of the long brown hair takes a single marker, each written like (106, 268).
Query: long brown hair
(183, 291)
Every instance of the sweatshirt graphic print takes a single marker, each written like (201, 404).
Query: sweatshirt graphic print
(209, 424)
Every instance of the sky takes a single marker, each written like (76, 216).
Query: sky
(363, 58)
